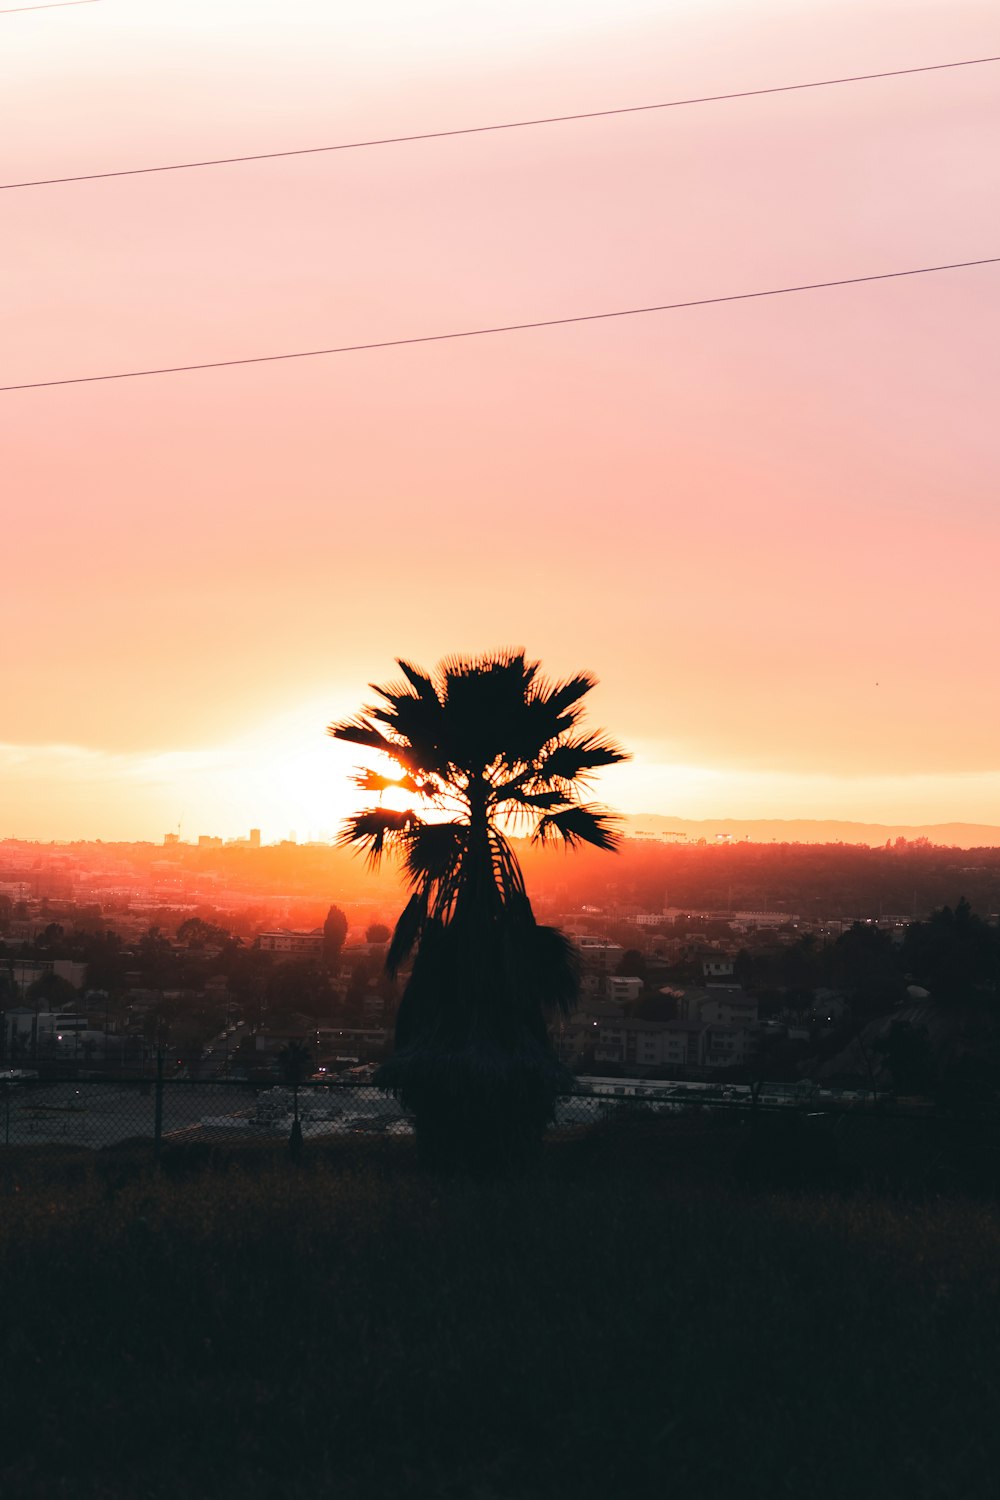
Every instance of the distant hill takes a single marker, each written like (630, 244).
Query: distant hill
(815, 831)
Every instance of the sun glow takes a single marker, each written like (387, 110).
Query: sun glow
(290, 776)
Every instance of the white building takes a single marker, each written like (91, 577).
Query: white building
(726, 1003)
(725, 1009)
(649, 1044)
(623, 988)
(287, 941)
(727, 1046)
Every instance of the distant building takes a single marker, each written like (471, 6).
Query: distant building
(20, 1028)
(169, 839)
(623, 988)
(715, 1029)
(747, 919)
(209, 841)
(273, 1042)
(24, 971)
(727, 1046)
(718, 1002)
(17, 890)
(599, 959)
(287, 941)
(337, 1044)
(255, 838)
(650, 1044)
(728, 1008)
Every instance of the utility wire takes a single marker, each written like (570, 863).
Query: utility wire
(472, 333)
(52, 5)
(437, 135)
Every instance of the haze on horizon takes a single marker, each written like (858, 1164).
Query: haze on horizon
(770, 529)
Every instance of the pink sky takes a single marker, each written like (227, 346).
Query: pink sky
(771, 529)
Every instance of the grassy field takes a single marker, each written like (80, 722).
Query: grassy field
(618, 1323)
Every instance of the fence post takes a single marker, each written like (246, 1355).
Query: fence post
(295, 1139)
(158, 1107)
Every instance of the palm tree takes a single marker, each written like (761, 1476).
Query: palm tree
(486, 747)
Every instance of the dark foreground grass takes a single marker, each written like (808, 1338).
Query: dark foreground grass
(607, 1327)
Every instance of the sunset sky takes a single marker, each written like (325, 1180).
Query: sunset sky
(770, 528)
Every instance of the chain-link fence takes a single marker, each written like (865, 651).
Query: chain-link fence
(150, 1113)
(105, 1113)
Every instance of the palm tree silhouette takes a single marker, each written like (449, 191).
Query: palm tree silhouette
(487, 748)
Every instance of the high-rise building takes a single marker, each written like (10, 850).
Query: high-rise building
(255, 838)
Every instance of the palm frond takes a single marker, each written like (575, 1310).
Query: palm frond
(372, 781)
(564, 695)
(433, 850)
(508, 872)
(507, 659)
(487, 710)
(414, 721)
(577, 757)
(422, 685)
(407, 932)
(545, 801)
(556, 968)
(361, 731)
(580, 824)
(376, 827)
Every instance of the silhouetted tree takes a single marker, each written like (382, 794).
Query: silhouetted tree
(907, 1055)
(362, 974)
(334, 935)
(295, 1063)
(156, 960)
(197, 933)
(299, 987)
(51, 992)
(490, 744)
(800, 964)
(378, 932)
(246, 971)
(864, 959)
(955, 954)
(744, 969)
(50, 936)
(655, 1007)
(102, 953)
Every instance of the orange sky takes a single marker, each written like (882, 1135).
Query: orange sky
(771, 529)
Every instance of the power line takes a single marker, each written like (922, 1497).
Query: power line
(437, 135)
(472, 333)
(52, 5)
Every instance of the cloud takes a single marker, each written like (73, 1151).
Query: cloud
(288, 775)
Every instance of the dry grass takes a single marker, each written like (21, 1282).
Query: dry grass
(611, 1325)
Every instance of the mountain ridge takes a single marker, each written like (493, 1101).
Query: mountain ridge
(954, 835)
